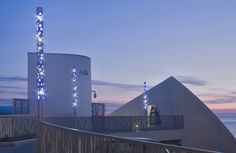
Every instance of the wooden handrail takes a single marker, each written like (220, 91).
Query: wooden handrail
(58, 139)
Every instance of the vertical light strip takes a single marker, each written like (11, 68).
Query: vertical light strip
(40, 54)
(74, 88)
(145, 101)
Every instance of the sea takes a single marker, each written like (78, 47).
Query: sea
(5, 110)
(230, 124)
(229, 121)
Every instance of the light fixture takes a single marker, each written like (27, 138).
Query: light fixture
(145, 101)
(74, 87)
(74, 94)
(94, 93)
(40, 55)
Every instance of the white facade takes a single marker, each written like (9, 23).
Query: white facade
(58, 84)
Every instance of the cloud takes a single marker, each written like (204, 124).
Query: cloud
(191, 80)
(9, 87)
(5, 102)
(115, 94)
(218, 96)
(15, 93)
(23, 93)
(110, 107)
(222, 99)
(109, 92)
(118, 85)
(12, 79)
(215, 98)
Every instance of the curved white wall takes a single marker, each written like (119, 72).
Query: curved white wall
(58, 84)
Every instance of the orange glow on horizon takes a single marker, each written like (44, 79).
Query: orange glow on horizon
(222, 106)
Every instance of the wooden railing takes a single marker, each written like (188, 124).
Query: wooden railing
(17, 126)
(112, 124)
(20, 126)
(140, 123)
(57, 139)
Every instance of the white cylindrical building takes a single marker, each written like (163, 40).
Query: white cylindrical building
(58, 84)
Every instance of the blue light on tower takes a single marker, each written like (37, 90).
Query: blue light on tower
(74, 88)
(145, 99)
(40, 55)
(74, 93)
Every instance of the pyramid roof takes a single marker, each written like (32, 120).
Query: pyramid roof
(202, 129)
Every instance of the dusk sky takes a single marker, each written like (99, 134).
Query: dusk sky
(129, 42)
